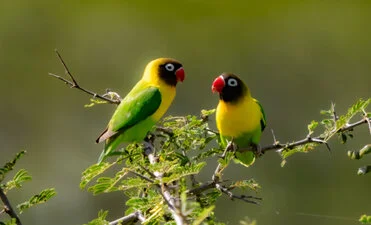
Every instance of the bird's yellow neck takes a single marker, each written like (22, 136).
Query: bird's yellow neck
(151, 76)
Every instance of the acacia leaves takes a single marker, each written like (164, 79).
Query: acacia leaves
(16, 182)
(331, 125)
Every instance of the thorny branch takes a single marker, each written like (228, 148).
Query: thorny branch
(319, 140)
(8, 207)
(73, 84)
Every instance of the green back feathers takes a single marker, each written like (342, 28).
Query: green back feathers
(137, 106)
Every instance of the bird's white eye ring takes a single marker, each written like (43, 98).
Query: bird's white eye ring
(169, 67)
(232, 82)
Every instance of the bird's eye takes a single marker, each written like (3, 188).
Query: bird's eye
(169, 67)
(232, 82)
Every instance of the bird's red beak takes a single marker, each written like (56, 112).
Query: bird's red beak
(180, 75)
(218, 85)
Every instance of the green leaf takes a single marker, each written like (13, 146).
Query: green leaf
(20, 177)
(101, 220)
(42, 197)
(207, 153)
(365, 219)
(209, 112)
(12, 221)
(285, 153)
(312, 126)
(133, 182)
(107, 184)
(251, 184)
(203, 215)
(95, 101)
(10, 165)
(180, 171)
(326, 112)
(92, 172)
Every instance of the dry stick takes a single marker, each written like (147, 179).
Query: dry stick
(73, 83)
(8, 207)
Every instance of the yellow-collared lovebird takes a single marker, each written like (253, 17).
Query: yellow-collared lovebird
(145, 104)
(238, 116)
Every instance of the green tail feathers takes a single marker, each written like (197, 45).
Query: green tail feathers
(246, 158)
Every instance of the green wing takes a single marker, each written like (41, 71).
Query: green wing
(263, 122)
(134, 108)
(137, 106)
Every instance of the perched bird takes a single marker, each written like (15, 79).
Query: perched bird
(145, 104)
(239, 117)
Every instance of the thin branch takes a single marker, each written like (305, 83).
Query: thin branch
(318, 139)
(73, 84)
(219, 169)
(178, 216)
(141, 176)
(274, 137)
(129, 219)
(202, 188)
(245, 198)
(368, 120)
(8, 207)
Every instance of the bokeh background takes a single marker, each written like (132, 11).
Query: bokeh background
(297, 57)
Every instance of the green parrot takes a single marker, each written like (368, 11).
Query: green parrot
(238, 116)
(144, 105)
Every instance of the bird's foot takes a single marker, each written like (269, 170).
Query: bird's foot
(231, 146)
(257, 150)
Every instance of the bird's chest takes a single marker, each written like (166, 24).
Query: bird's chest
(234, 120)
(167, 97)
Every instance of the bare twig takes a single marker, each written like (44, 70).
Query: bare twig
(73, 83)
(8, 207)
(129, 219)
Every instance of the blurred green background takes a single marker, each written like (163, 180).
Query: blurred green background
(297, 57)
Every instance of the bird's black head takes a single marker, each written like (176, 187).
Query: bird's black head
(170, 71)
(230, 87)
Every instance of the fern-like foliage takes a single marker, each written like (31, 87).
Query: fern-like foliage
(16, 182)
